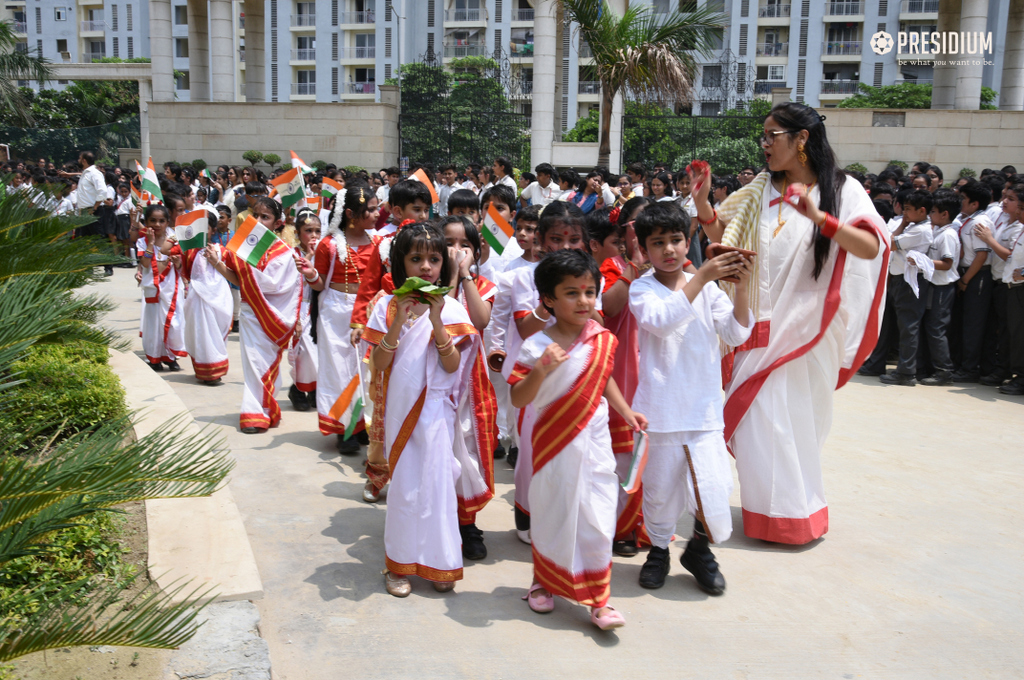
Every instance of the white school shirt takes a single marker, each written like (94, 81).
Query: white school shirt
(970, 244)
(945, 244)
(383, 193)
(638, 189)
(501, 310)
(538, 195)
(917, 236)
(65, 206)
(510, 182)
(1016, 259)
(680, 386)
(1006, 237)
(124, 207)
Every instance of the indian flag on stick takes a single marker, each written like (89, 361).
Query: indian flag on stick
(191, 229)
(421, 176)
(297, 163)
(150, 182)
(330, 187)
(251, 241)
(289, 188)
(498, 231)
(205, 173)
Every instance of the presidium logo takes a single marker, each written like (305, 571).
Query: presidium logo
(945, 43)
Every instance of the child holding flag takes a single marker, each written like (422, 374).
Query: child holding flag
(261, 265)
(162, 323)
(302, 356)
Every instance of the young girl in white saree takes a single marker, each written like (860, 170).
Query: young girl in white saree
(208, 312)
(162, 321)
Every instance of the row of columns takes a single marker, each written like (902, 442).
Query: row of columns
(211, 31)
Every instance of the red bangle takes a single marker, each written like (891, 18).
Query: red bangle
(829, 226)
(687, 264)
(714, 217)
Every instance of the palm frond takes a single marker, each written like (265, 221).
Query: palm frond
(15, 66)
(150, 619)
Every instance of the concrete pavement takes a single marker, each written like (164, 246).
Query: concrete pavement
(920, 575)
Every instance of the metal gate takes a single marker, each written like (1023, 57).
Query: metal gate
(465, 110)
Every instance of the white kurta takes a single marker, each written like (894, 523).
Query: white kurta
(208, 313)
(302, 355)
(162, 320)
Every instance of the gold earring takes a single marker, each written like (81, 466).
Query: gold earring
(801, 156)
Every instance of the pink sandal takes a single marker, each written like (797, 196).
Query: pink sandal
(611, 619)
(542, 604)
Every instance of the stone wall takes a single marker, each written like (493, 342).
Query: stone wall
(949, 139)
(358, 133)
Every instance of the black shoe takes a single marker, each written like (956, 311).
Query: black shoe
(298, 399)
(699, 561)
(993, 379)
(251, 430)
(363, 437)
(625, 548)
(499, 452)
(655, 569)
(158, 367)
(212, 382)
(868, 373)
(173, 365)
(1014, 388)
(348, 447)
(473, 547)
(522, 519)
(311, 398)
(940, 378)
(897, 378)
(512, 457)
(964, 377)
(234, 326)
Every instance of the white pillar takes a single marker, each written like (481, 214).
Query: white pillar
(1011, 91)
(198, 52)
(145, 96)
(615, 158)
(944, 77)
(222, 59)
(160, 44)
(973, 23)
(542, 123)
(255, 55)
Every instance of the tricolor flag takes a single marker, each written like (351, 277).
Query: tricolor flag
(251, 241)
(136, 195)
(313, 203)
(357, 415)
(191, 229)
(330, 187)
(289, 188)
(297, 163)
(150, 182)
(637, 464)
(421, 176)
(498, 231)
(205, 173)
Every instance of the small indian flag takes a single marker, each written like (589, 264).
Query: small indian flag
(421, 176)
(313, 203)
(191, 229)
(637, 464)
(289, 188)
(150, 182)
(297, 163)
(330, 187)
(136, 195)
(251, 241)
(205, 173)
(357, 415)
(498, 231)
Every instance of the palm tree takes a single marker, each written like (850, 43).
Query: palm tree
(17, 65)
(642, 52)
(86, 472)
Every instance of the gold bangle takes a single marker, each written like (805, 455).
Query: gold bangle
(386, 347)
(442, 345)
(451, 351)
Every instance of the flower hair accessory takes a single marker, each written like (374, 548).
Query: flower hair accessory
(406, 223)
(334, 230)
(613, 216)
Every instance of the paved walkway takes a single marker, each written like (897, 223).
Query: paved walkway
(920, 575)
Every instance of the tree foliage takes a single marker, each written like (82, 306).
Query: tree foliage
(15, 66)
(904, 96)
(271, 159)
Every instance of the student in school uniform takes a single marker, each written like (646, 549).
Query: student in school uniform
(945, 254)
(1013, 277)
(1001, 241)
(913, 235)
(543, 190)
(975, 283)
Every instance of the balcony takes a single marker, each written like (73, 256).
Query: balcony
(357, 52)
(19, 27)
(241, 22)
(585, 51)
(304, 20)
(521, 50)
(919, 7)
(360, 18)
(522, 15)
(589, 87)
(766, 86)
(95, 57)
(841, 48)
(839, 87)
(361, 88)
(916, 81)
(304, 89)
(304, 54)
(468, 50)
(241, 54)
(844, 9)
(773, 11)
(93, 27)
(462, 15)
(772, 49)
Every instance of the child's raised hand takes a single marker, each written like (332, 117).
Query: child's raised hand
(552, 357)
(150, 236)
(744, 271)
(726, 264)
(700, 180)
(305, 268)
(465, 260)
(436, 304)
(403, 308)
(211, 254)
(176, 261)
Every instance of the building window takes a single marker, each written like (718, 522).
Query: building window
(113, 20)
(181, 15)
(62, 45)
(131, 46)
(334, 80)
(39, 19)
(60, 14)
(128, 17)
(712, 76)
(181, 80)
(305, 82)
(181, 47)
(777, 72)
(710, 108)
(97, 50)
(117, 52)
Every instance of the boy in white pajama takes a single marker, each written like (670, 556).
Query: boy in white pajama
(680, 319)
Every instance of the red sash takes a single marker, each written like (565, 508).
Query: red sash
(278, 330)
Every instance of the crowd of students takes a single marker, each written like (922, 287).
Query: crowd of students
(599, 320)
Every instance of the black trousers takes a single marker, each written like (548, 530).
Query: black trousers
(976, 301)
(936, 323)
(997, 341)
(910, 310)
(1015, 327)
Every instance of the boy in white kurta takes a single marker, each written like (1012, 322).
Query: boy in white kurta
(680, 390)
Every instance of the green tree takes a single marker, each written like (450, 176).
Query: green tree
(271, 159)
(904, 96)
(252, 157)
(643, 52)
(14, 66)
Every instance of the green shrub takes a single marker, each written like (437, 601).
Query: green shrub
(320, 166)
(726, 156)
(271, 159)
(252, 157)
(199, 164)
(902, 165)
(66, 389)
(967, 172)
(856, 167)
(354, 168)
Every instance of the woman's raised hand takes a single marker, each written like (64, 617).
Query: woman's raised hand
(798, 196)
